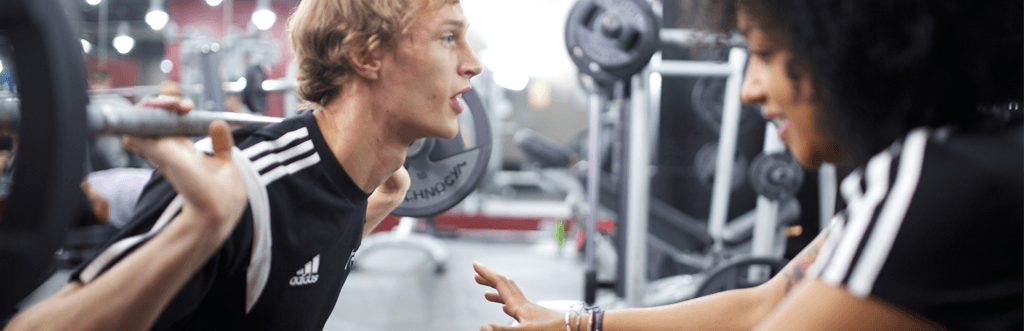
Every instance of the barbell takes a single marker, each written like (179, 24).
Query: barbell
(443, 171)
(52, 115)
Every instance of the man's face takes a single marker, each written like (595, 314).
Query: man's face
(783, 100)
(427, 72)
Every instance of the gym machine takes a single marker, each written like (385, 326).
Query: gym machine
(612, 42)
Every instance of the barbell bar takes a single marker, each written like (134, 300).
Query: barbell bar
(269, 85)
(117, 118)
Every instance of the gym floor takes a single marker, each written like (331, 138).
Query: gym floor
(397, 289)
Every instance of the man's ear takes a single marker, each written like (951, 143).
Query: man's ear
(364, 64)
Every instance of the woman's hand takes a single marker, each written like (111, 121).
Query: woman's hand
(529, 315)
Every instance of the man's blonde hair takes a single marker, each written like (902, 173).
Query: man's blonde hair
(322, 32)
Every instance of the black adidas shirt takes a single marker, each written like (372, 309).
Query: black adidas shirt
(315, 226)
(934, 225)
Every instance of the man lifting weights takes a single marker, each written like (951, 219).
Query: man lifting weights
(377, 75)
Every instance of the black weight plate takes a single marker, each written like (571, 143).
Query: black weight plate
(611, 40)
(776, 175)
(704, 165)
(445, 171)
(253, 95)
(51, 84)
(708, 100)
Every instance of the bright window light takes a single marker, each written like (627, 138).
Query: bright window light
(1, 66)
(537, 48)
(93, 2)
(512, 80)
(86, 46)
(263, 19)
(157, 19)
(213, 3)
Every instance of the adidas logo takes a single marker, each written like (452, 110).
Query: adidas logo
(351, 258)
(308, 274)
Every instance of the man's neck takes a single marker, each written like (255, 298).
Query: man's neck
(360, 137)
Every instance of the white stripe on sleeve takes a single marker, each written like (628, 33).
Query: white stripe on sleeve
(91, 271)
(859, 212)
(284, 140)
(890, 218)
(269, 159)
(290, 168)
(835, 233)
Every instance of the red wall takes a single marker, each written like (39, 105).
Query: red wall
(123, 72)
(190, 14)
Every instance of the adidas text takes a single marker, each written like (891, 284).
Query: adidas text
(303, 280)
(307, 274)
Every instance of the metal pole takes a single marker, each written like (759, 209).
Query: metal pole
(692, 68)
(827, 190)
(593, 191)
(227, 19)
(101, 44)
(767, 210)
(726, 148)
(106, 117)
(213, 88)
(638, 192)
(623, 218)
(270, 85)
(653, 104)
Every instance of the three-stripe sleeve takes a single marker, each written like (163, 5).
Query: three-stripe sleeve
(862, 245)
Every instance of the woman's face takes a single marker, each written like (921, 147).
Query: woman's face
(785, 101)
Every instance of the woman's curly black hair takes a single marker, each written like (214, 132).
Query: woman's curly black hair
(887, 66)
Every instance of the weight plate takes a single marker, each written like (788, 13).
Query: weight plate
(776, 175)
(51, 83)
(253, 94)
(708, 99)
(611, 40)
(704, 166)
(445, 171)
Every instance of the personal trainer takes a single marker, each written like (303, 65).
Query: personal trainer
(376, 75)
(921, 98)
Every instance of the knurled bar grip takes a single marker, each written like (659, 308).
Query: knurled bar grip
(117, 119)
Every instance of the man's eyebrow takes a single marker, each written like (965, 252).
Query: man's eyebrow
(456, 23)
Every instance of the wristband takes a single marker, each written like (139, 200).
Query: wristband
(600, 318)
(567, 321)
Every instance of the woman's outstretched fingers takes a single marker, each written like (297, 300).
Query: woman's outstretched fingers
(482, 281)
(495, 327)
(493, 297)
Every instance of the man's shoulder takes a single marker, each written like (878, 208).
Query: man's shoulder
(250, 135)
